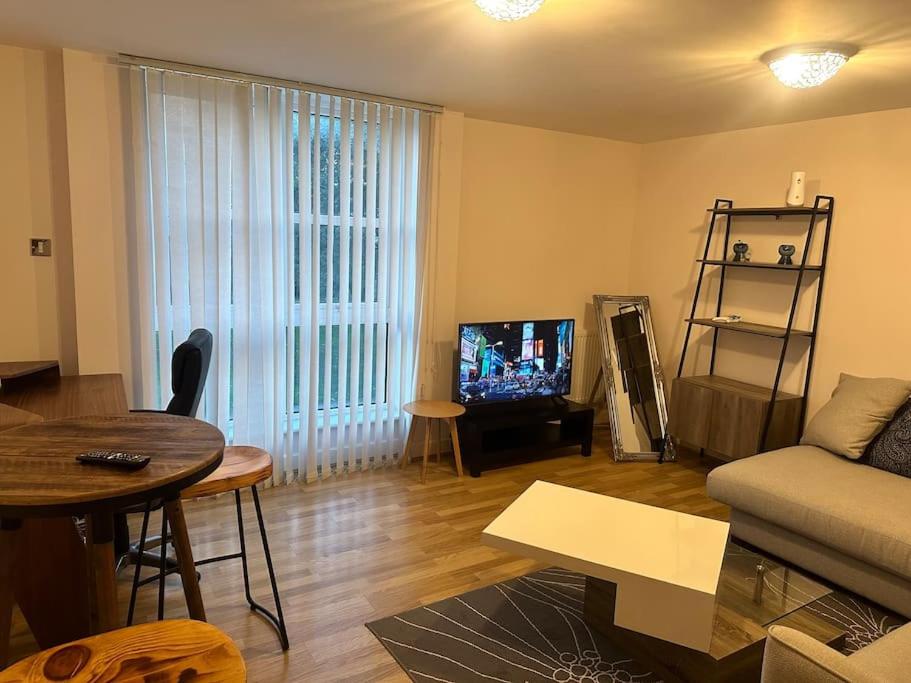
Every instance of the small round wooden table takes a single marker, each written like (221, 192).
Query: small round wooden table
(428, 411)
(40, 477)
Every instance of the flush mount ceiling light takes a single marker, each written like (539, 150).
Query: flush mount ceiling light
(809, 65)
(509, 10)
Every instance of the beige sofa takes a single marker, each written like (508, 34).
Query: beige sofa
(840, 519)
(794, 657)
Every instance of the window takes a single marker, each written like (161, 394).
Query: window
(286, 222)
(331, 261)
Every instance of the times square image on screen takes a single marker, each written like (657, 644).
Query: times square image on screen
(509, 361)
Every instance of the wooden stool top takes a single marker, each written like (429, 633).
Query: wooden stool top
(434, 409)
(241, 467)
(163, 651)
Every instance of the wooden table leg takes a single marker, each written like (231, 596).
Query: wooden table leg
(456, 449)
(51, 584)
(409, 440)
(9, 541)
(436, 443)
(89, 565)
(427, 426)
(184, 551)
(101, 570)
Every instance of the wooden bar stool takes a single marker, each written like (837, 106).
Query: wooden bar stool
(165, 652)
(428, 411)
(242, 467)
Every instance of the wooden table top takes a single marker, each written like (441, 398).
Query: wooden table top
(242, 466)
(39, 475)
(57, 397)
(13, 417)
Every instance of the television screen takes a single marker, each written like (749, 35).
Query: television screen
(510, 361)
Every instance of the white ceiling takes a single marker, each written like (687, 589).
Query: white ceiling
(637, 70)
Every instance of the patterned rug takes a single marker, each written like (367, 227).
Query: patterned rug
(530, 629)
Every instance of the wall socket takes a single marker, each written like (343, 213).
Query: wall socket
(41, 246)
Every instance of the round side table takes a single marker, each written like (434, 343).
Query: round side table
(428, 411)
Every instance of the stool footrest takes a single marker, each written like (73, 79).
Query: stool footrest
(210, 560)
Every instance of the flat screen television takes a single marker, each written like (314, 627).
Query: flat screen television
(515, 360)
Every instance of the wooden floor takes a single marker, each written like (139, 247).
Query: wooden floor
(371, 544)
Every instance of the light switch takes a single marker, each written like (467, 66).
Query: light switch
(41, 247)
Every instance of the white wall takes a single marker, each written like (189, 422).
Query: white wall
(546, 222)
(96, 156)
(865, 162)
(62, 176)
(36, 292)
(535, 223)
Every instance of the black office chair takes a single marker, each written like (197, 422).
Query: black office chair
(189, 369)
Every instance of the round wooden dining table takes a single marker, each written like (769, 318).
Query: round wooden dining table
(40, 477)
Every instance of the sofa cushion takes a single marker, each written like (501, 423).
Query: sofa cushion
(857, 411)
(891, 449)
(845, 505)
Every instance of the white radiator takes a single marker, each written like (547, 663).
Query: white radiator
(586, 363)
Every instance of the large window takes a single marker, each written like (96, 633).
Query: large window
(336, 281)
(285, 222)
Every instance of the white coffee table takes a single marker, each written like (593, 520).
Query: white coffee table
(666, 564)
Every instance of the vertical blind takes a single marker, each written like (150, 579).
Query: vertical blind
(291, 225)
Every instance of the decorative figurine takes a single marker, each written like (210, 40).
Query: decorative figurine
(740, 252)
(795, 191)
(786, 251)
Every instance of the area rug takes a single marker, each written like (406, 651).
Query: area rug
(530, 629)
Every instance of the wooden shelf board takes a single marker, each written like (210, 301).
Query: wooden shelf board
(16, 369)
(750, 328)
(757, 264)
(771, 211)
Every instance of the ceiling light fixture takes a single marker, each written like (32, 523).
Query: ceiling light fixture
(809, 65)
(509, 10)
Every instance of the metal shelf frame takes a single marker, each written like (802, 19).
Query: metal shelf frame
(822, 211)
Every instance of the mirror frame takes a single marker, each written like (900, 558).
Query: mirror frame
(620, 454)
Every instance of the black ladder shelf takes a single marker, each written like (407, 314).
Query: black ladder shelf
(823, 209)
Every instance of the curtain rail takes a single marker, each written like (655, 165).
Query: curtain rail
(192, 69)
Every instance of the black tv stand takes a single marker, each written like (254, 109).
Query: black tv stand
(496, 434)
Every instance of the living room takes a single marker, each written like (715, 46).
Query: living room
(539, 169)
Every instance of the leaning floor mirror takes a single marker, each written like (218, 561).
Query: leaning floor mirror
(632, 378)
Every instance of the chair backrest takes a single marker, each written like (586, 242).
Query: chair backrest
(189, 368)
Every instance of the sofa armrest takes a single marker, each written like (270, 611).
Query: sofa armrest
(886, 659)
(794, 657)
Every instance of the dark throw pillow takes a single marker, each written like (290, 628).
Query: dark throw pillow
(891, 449)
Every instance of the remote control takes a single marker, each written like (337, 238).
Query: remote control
(129, 461)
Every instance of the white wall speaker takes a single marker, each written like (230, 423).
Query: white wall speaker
(795, 192)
